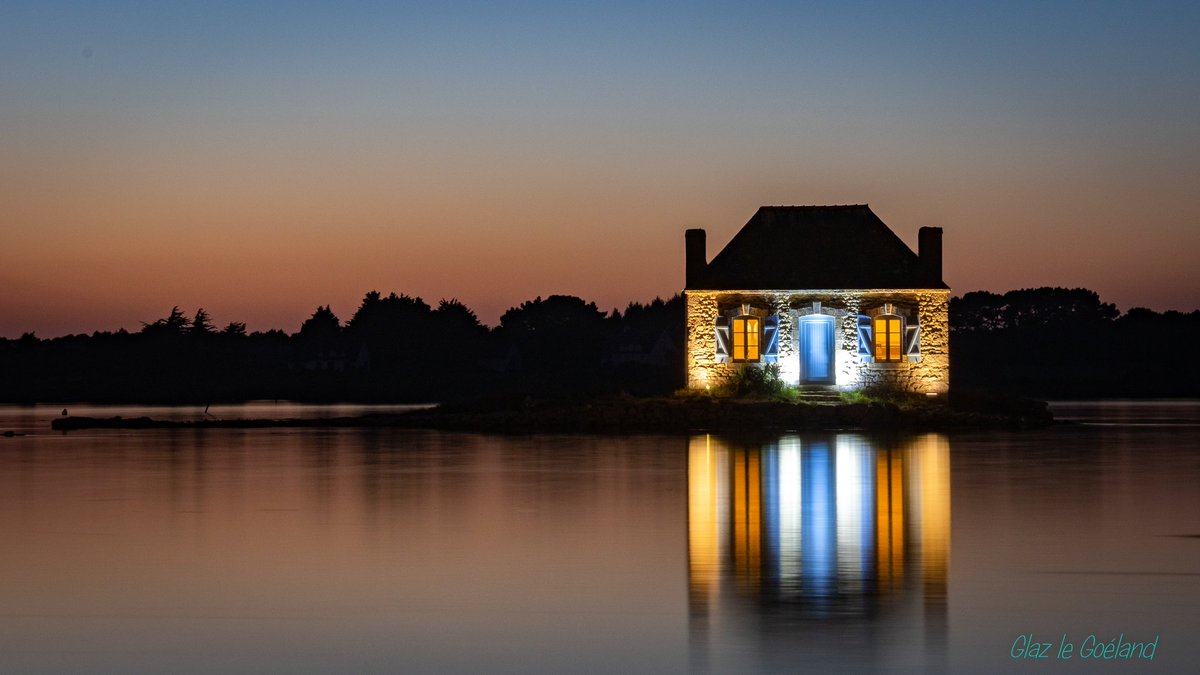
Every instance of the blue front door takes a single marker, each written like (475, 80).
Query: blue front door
(816, 349)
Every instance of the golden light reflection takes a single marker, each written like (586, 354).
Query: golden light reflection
(703, 521)
(839, 522)
(889, 510)
(931, 455)
(747, 518)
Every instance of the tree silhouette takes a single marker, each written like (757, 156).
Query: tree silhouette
(397, 331)
(322, 325)
(201, 324)
(454, 313)
(234, 329)
(561, 332)
(174, 323)
(1029, 308)
(389, 316)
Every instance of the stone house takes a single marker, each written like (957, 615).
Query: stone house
(828, 293)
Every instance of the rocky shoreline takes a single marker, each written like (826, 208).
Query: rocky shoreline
(633, 415)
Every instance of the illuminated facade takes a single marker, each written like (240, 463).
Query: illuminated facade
(828, 293)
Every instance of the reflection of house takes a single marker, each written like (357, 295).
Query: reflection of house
(829, 293)
(827, 551)
(831, 522)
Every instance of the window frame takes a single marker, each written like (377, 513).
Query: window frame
(744, 320)
(899, 355)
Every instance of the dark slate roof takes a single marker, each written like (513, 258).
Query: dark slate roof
(816, 247)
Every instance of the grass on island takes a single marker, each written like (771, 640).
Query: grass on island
(765, 384)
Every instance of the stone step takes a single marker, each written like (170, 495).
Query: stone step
(819, 396)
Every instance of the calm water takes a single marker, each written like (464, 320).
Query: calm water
(376, 550)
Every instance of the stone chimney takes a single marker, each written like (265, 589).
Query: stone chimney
(696, 261)
(929, 250)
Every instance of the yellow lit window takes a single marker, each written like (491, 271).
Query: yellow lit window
(888, 333)
(745, 339)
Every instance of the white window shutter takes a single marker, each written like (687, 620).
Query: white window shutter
(864, 336)
(770, 339)
(724, 340)
(912, 342)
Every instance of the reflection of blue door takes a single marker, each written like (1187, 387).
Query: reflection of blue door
(818, 521)
(816, 349)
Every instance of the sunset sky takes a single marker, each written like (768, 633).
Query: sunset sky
(260, 158)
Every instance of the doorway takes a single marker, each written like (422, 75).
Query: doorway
(816, 349)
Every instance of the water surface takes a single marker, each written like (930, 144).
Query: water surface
(318, 550)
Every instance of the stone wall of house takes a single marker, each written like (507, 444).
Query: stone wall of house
(702, 367)
(931, 374)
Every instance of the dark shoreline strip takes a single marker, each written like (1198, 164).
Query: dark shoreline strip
(623, 416)
(81, 422)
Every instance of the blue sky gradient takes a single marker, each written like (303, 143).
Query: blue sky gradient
(259, 159)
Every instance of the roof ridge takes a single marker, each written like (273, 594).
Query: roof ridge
(806, 247)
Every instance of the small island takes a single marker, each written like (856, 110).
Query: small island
(787, 411)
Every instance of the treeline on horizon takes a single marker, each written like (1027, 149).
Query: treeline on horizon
(1067, 343)
(395, 348)
(1045, 342)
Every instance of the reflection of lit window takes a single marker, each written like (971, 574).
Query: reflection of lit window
(888, 330)
(745, 338)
